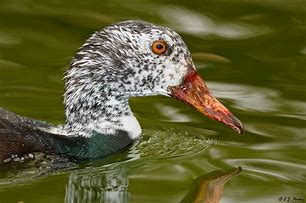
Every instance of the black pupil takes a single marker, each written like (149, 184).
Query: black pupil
(159, 46)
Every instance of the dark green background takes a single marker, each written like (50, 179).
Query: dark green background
(252, 54)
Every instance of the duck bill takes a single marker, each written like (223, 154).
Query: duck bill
(195, 92)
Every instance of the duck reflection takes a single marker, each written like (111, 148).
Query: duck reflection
(112, 186)
(104, 187)
(209, 187)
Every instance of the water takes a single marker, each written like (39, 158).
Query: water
(252, 54)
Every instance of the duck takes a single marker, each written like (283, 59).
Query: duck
(127, 59)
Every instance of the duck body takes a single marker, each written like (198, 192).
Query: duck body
(123, 60)
(20, 136)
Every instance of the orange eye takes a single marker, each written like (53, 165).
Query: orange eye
(159, 47)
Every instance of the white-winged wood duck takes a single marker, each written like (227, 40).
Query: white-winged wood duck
(124, 60)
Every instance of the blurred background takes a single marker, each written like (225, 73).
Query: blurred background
(251, 53)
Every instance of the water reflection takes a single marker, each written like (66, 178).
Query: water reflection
(172, 113)
(112, 186)
(209, 187)
(303, 50)
(194, 23)
(6, 64)
(258, 99)
(7, 40)
(247, 97)
(97, 187)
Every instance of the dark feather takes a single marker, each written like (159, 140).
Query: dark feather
(21, 136)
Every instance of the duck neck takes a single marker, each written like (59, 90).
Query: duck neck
(104, 114)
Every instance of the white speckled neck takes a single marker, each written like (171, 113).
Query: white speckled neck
(105, 115)
(114, 120)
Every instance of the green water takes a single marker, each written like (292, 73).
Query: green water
(252, 54)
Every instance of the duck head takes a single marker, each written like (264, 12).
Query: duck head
(131, 59)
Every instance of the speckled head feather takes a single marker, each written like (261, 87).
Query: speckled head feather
(117, 63)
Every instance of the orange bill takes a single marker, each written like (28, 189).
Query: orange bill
(195, 92)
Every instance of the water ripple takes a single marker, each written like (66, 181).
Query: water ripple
(170, 144)
(276, 168)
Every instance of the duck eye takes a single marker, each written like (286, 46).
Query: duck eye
(159, 47)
